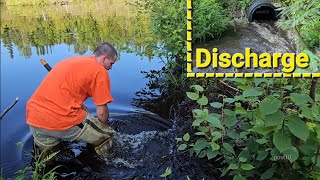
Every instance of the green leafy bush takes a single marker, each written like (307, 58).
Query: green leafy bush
(269, 130)
(304, 15)
(209, 20)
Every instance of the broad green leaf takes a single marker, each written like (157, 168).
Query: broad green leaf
(198, 88)
(203, 129)
(215, 122)
(246, 167)
(298, 127)
(300, 99)
(229, 100)
(200, 113)
(229, 112)
(192, 95)
(307, 112)
(182, 147)
(230, 121)
(200, 144)
(240, 98)
(281, 141)
(253, 92)
(262, 141)
(257, 81)
(245, 127)
(200, 133)
(186, 137)
(275, 152)
(288, 87)
(313, 159)
(233, 166)
(243, 159)
(296, 166)
(240, 109)
(238, 177)
(233, 134)
(224, 172)
(262, 155)
(317, 131)
(252, 145)
(202, 101)
(216, 135)
(274, 119)
(197, 122)
(216, 105)
(265, 130)
(202, 154)
(307, 161)
(315, 110)
(211, 154)
(214, 146)
(245, 154)
(268, 174)
(292, 154)
(269, 105)
(311, 125)
(229, 148)
(215, 115)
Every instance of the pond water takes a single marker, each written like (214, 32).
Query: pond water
(57, 32)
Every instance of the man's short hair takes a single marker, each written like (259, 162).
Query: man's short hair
(105, 49)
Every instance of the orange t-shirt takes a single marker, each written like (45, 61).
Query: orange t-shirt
(56, 104)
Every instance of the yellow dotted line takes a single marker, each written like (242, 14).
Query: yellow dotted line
(189, 38)
(257, 75)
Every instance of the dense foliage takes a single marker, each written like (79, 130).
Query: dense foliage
(305, 16)
(270, 128)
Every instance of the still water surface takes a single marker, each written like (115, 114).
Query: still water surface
(55, 33)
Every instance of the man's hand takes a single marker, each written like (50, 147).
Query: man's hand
(103, 113)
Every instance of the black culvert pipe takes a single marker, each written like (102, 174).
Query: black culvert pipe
(261, 10)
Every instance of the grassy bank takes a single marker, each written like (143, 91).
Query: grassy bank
(36, 2)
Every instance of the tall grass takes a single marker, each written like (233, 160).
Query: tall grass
(38, 2)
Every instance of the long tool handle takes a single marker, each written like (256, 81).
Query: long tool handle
(45, 64)
(8, 109)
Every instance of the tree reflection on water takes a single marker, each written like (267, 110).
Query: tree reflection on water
(82, 25)
(156, 97)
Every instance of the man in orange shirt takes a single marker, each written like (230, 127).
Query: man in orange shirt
(56, 112)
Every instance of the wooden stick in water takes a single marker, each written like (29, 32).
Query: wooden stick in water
(8, 109)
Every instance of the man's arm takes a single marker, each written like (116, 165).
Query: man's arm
(103, 113)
